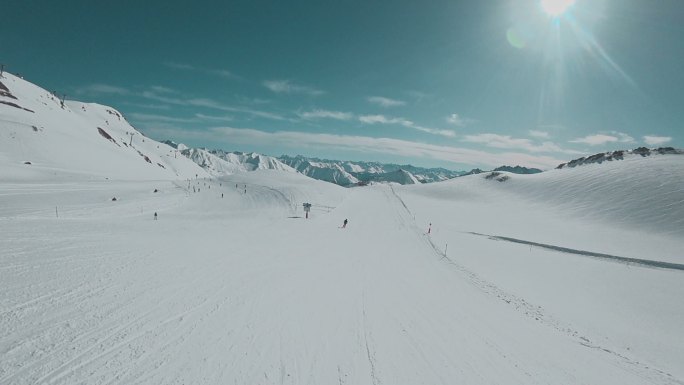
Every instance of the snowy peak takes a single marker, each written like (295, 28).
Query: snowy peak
(329, 171)
(219, 162)
(263, 162)
(42, 135)
(620, 155)
(400, 176)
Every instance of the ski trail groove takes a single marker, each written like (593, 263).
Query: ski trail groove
(608, 257)
(370, 355)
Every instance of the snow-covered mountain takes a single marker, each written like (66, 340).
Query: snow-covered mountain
(219, 162)
(621, 155)
(252, 161)
(347, 173)
(518, 170)
(43, 136)
(330, 171)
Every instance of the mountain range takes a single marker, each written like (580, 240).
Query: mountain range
(55, 136)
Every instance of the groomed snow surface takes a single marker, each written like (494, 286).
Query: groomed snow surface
(572, 276)
(241, 289)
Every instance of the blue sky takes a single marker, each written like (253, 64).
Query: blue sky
(457, 84)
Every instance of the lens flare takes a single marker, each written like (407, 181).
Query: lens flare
(515, 38)
(555, 8)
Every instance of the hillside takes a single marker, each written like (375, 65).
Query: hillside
(620, 155)
(41, 137)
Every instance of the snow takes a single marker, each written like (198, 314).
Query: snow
(69, 142)
(232, 285)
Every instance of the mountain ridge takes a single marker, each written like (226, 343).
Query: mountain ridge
(610, 156)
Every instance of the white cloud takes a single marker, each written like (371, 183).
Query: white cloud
(596, 140)
(382, 119)
(223, 118)
(361, 144)
(213, 104)
(539, 134)
(624, 138)
(459, 121)
(187, 67)
(155, 118)
(288, 87)
(102, 89)
(435, 131)
(600, 139)
(325, 114)
(162, 90)
(508, 142)
(455, 120)
(158, 119)
(148, 106)
(657, 140)
(385, 102)
(224, 74)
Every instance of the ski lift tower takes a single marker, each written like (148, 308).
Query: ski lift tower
(307, 208)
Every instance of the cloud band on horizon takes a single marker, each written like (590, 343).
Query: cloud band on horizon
(361, 144)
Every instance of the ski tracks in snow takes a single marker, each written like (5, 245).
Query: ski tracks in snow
(536, 312)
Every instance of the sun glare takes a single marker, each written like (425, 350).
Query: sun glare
(556, 8)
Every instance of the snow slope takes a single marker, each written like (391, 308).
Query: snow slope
(40, 137)
(628, 209)
(231, 285)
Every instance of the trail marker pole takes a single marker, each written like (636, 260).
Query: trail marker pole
(445, 249)
(56, 213)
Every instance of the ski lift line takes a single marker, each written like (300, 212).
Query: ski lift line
(609, 257)
(401, 200)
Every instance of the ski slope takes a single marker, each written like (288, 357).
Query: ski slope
(232, 285)
(45, 138)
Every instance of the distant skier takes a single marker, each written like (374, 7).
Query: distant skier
(344, 224)
(155, 216)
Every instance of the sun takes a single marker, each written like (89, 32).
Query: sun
(556, 8)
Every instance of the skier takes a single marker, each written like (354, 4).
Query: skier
(344, 224)
(155, 216)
